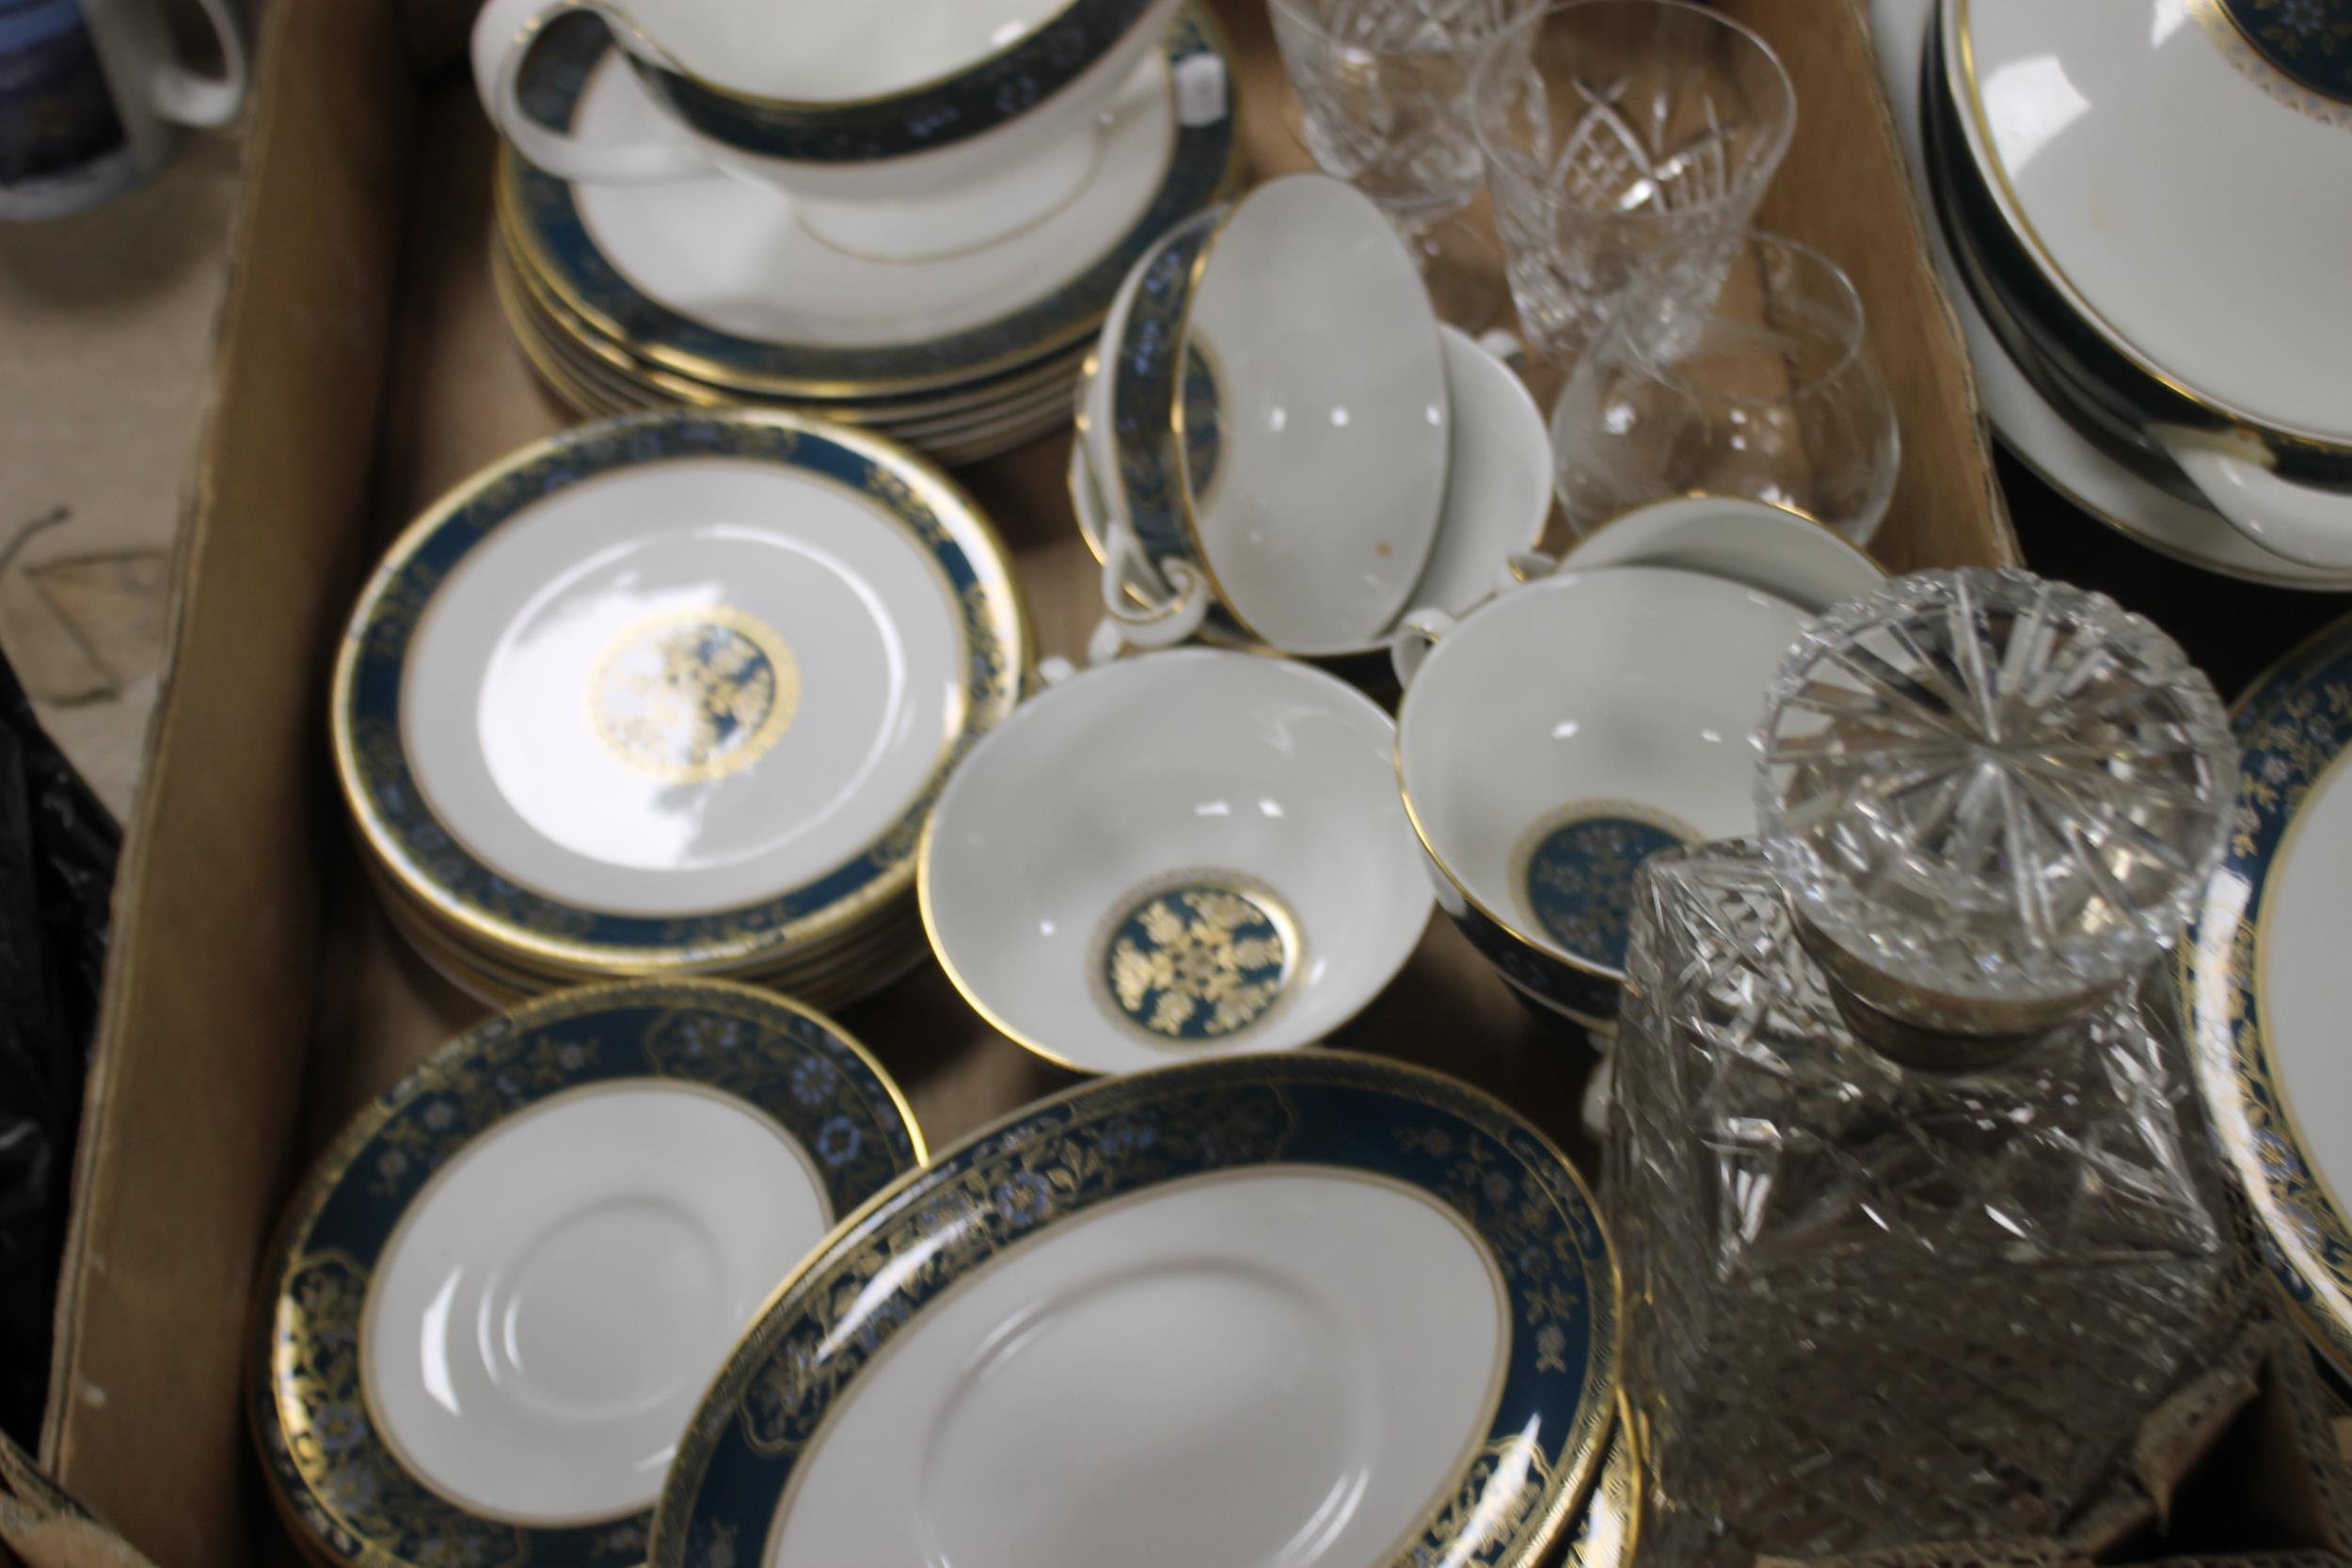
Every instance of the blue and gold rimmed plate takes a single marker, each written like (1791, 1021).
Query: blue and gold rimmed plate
(495, 1300)
(673, 692)
(721, 281)
(2268, 988)
(1317, 1308)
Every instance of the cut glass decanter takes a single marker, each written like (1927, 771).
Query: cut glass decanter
(1918, 1217)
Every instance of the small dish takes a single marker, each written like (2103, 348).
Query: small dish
(1182, 854)
(495, 1300)
(1317, 1309)
(1751, 543)
(1497, 499)
(1279, 406)
(1558, 736)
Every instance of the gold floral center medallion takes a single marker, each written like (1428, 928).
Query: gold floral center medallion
(1200, 956)
(691, 695)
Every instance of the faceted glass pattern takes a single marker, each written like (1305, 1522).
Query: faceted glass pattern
(1987, 787)
(1885, 1306)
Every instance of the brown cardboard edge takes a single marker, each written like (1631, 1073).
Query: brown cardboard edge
(234, 478)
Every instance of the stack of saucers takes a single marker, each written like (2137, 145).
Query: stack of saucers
(674, 694)
(708, 289)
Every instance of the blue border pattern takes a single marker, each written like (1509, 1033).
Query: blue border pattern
(400, 822)
(563, 253)
(1006, 1185)
(2291, 727)
(333, 1472)
(917, 120)
(1146, 380)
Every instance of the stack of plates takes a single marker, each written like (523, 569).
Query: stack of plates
(2089, 164)
(709, 291)
(674, 694)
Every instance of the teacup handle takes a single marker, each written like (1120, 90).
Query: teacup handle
(503, 35)
(2294, 521)
(1518, 570)
(192, 99)
(1414, 636)
(1160, 625)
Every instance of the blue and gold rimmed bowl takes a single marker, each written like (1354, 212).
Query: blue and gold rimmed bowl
(1312, 1304)
(493, 1303)
(920, 130)
(1182, 854)
(674, 693)
(708, 284)
(1558, 736)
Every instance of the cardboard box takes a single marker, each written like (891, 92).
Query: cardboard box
(254, 998)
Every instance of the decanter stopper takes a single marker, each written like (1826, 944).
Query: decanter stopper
(1989, 799)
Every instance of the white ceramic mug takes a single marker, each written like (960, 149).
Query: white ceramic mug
(900, 134)
(92, 98)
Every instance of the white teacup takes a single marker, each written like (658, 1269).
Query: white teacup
(1182, 854)
(1561, 734)
(1751, 543)
(902, 131)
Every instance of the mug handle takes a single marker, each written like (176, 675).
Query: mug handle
(1160, 625)
(184, 96)
(503, 35)
(2301, 524)
(1414, 636)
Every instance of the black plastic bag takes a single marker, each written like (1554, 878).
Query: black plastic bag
(57, 850)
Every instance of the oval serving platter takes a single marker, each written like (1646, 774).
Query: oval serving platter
(2266, 989)
(1319, 1307)
(495, 1299)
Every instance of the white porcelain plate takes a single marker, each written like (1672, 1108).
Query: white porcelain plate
(1311, 1309)
(720, 279)
(2039, 435)
(498, 1295)
(2158, 161)
(1324, 370)
(676, 687)
(1177, 855)
(2268, 988)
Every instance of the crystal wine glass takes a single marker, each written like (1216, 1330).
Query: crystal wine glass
(1384, 101)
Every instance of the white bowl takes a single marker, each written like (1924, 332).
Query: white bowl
(1182, 854)
(1747, 542)
(1565, 732)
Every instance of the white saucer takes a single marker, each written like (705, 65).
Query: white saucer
(2037, 433)
(499, 1294)
(1178, 855)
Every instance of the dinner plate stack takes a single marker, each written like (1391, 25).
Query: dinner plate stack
(710, 290)
(2104, 174)
(674, 694)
